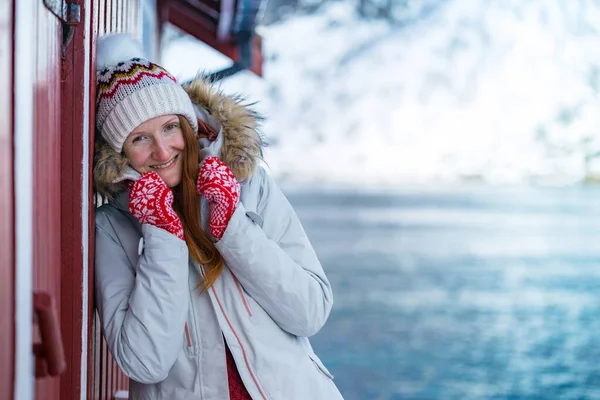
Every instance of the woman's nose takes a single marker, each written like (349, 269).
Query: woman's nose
(161, 150)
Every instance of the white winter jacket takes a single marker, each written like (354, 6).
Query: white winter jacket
(272, 295)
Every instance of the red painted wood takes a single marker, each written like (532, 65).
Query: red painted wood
(7, 227)
(93, 369)
(257, 56)
(204, 26)
(94, 364)
(211, 8)
(46, 243)
(194, 22)
(73, 122)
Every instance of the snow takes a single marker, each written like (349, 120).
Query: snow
(499, 92)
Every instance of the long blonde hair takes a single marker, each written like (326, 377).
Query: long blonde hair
(187, 206)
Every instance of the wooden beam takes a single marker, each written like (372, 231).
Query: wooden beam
(204, 27)
(7, 210)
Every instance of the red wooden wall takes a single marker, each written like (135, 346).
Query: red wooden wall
(63, 93)
(74, 126)
(7, 260)
(46, 241)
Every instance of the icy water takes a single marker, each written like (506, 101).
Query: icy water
(468, 293)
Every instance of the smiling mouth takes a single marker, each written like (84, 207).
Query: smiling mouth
(165, 165)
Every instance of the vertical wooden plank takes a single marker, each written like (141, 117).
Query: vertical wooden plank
(128, 15)
(106, 20)
(138, 18)
(109, 372)
(103, 369)
(7, 227)
(107, 12)
(134, 11)
(102, 17)
(116, 15)
(95, 17)
(105, 366)
(76, 75)
(114, 373)
(109, 369)
(109, 16)
(46, 243)
(94, 365)
(122, 16)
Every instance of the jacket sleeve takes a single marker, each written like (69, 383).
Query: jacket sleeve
(276, 264)
(142, 310)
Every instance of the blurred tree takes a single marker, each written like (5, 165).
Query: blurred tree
(396, 12)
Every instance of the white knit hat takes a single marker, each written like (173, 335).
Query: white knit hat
(131, 90)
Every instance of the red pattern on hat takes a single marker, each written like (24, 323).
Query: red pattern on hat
(109, 89)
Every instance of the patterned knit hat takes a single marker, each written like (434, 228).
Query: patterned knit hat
(131, 90)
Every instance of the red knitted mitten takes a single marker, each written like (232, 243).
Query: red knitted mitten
(151, 202)
(217, 184)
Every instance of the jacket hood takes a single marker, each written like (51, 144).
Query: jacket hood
(238, 125)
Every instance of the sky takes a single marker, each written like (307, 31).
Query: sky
(493, 92)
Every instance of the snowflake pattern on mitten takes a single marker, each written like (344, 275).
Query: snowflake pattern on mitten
(151, 202)
(218, 185)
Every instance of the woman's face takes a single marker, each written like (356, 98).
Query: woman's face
(157, 145)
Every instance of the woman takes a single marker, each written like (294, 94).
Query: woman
(206, 284)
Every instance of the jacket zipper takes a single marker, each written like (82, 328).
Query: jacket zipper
(254, 378)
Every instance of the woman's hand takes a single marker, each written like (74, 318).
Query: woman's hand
(151, 202)
(217, 184)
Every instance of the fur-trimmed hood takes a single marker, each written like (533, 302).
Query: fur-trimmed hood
(238, 125)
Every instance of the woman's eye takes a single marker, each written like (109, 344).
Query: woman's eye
(138, 139)
(171, 129)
